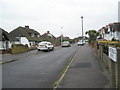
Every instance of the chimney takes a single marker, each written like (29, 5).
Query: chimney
(27, 27)
(48, 32)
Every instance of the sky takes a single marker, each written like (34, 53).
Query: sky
(51, 15)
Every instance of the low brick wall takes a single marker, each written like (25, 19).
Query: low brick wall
(113, 67)
(107, 62)
(7, 51)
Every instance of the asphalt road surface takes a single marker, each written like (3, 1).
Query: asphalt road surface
(37, 70)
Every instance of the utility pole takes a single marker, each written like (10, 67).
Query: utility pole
(82, 27)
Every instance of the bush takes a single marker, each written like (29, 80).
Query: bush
(19, 48)
(106, 44)
(32, 48)
(92, 44)
(105, 49)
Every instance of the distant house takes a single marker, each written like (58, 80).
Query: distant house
(50, 37)
(110, 32)
(25, 35)
(61, 36)
(4, 40)
(48, 34)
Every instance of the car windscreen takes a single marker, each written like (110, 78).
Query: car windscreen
(44, 43)
(65, 42)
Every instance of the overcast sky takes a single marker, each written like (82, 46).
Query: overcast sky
(51, 15)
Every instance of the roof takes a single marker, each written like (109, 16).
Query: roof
(113, 27)
(24, 32)
(4, 35)
(116, 26)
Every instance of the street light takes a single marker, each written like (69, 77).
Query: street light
(61, 36)
(82, 27)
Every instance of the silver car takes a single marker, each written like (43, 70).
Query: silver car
(81, 43)
(66, 44)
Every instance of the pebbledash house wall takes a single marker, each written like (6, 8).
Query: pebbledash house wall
(108, 36)
(24, 41)
(111, 34)
(5, 45)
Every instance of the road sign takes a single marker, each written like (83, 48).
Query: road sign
(113, 53)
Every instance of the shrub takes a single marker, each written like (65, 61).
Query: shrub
(19, 48)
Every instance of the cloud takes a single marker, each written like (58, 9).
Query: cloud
(44, 15)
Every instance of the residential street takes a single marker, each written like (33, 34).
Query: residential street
(36, 69)
(60, 44)
(41, 69)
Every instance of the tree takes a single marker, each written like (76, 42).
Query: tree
(92, 35)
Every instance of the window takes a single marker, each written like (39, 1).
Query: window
(1, 45)
(33, 35)
(38, 35)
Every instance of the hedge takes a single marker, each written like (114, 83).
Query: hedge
(19, 48)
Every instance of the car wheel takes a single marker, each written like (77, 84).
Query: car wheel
(53, 48)
(38, 49)
(48, 49)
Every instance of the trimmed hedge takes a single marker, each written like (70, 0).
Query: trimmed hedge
(106, 44)
(19, 48)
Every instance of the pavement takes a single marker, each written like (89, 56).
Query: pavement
(86, 71)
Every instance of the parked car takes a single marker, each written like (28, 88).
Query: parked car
(66, 44)
(81, 43)
(45, 46)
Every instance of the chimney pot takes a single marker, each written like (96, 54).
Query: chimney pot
(27, 27)
(48, 32)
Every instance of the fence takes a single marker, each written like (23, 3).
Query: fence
(112, 66)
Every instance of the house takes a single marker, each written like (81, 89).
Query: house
(49, 37)
(48, 34)
(110, 32)
(60, 37)
(64, 38)
(4, 40)
(25, 35)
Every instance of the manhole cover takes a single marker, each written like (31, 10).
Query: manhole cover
(82, 65)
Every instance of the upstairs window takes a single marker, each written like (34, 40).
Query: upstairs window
(33, 35)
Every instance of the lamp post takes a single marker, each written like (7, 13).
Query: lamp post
(82, 27)
(61, 36)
